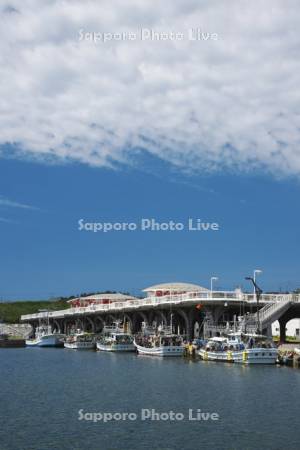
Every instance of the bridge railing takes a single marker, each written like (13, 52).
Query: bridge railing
(267, 312)
(272, 298)
(211, 329)
(193, 297)
(147, 301)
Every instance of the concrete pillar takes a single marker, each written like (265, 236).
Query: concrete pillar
(80, 324)
(56, 326)
(144, 317)
(112, 318)
(134, 324)
(128, 324)
(91, 322)
(188, 328)
(268, 331)
(65, 326)
(196, 316)
(33, 329)
(196, 329)
(163, 317)
(217, 312)
(282, 326)
(136, 319)
(99, 322)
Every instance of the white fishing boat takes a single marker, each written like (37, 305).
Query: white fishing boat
(159, 343)
(114, 339)
(238, 347)
(44, 337)
(80, 341)
(116, 342)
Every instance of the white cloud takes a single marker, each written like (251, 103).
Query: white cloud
(231, 103)
(13, 204)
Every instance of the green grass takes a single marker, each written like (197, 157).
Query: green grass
(287, 339)
(11, 312)
(292, 339)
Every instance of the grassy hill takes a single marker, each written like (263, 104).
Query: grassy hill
(11, 312)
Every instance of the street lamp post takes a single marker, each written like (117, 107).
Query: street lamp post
(255, 272)
(258, 292)
(211, 283)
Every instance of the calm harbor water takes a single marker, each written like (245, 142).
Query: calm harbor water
(42, 391)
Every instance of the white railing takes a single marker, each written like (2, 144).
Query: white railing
(272, 298)
(210, 330)
(193, 297)
(275, 307)
(269, 310)
(189, 297)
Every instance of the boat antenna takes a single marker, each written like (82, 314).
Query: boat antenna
(171, 323)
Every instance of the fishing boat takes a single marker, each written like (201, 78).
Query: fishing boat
(116, 342)
(44, 337)
(80, 341)
(159, 342)
(114, 339)
(242, 348)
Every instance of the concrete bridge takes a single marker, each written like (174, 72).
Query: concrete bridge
(192, 312)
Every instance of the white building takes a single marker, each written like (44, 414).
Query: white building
(292, 328)
(159, 290)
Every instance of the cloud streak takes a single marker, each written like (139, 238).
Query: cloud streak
(12, 204)
(8, 221)
(226, 104)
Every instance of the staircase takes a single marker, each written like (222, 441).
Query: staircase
(270, 312)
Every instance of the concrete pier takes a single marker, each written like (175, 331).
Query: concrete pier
(192, 310)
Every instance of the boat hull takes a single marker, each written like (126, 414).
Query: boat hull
(46, 341)
(257, 356)
(160, 351)
(116, 347)
(215, 356)
(80, 345)
(249, 356)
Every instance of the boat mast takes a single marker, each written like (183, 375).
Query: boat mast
(47, 318)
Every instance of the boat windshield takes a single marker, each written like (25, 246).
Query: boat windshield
(84, 338)
(158, 341)
(258, 341)
(124, 339)
(224, 345)
(171, 341)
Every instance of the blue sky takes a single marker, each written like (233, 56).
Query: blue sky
(44, 254)
(120, 129)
